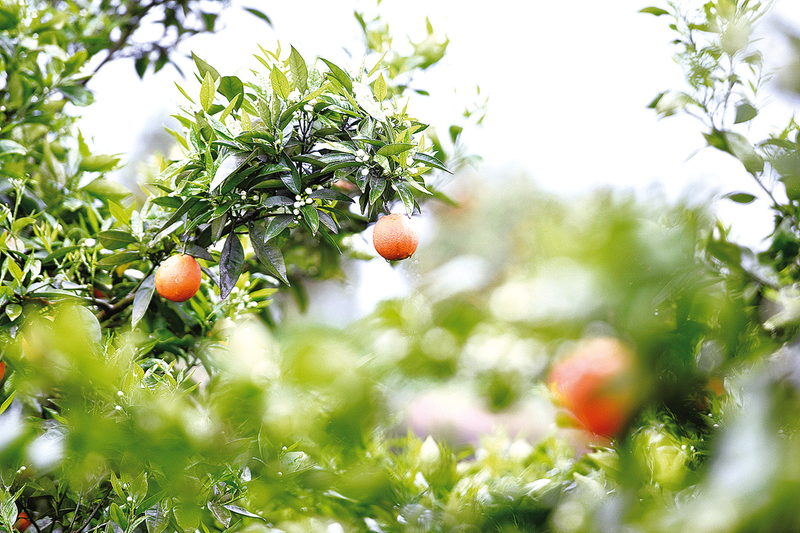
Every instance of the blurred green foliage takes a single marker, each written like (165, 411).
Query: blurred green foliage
(124, 413)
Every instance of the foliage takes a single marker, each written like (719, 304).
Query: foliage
(122, 412)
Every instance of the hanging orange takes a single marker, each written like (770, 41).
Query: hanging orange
(178, 278)
(394, 237)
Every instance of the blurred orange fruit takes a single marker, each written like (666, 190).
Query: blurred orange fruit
(22, 522)
(178, 278)
(596, 384)
(394, 238)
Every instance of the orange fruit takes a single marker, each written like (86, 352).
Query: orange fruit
(394, 238)
(22, 522)
(178, 278)
(3, 368)
(596, 384)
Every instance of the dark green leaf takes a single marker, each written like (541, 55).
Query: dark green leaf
(259, 14)
(340, 75)
(170, 202)
(230, 87)
(740, 197)
(231, 262)
(329, 194)
(141, 300)
(430, 161)
(327, 220)
(176, 216)
(204, 68)
(276, 225)
(141, 64)
(291, 180)
(270, 256)
(310, 216)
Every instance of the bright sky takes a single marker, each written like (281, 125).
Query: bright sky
(568, 85)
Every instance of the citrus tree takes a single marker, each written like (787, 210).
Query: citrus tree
(642, 364)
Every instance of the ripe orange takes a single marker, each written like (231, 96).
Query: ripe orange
(596, 383)
(178, 278)
(394, 237)
(3, 370)
(22, 522)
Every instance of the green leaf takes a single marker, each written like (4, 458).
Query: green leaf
(280, 83)
(242, 511)
(13, 311)
(119, 259)
(405, 195)
(259, 14)
(329, 194)
(430, 161)
(276, 225)
(107, 190)
(142, 298)
(339, 75)
(11, 396)
(394, 149)
(77, 95)
(21, 223)
(231, 262)
(745, 112)
(116, 239)
(298, 70)
(229, 108)
(98, 163)
(228, 166)
(170, 202)
(270, 256)
(327, 220)
(376, 187)
(222, 514)
(158, 517)
(118, 516)
(207, 91)
(311, 217)
(743, 150)
(176, 216)
(740, 197)
(292, 179)
(204, 68)
(7, 146)
(231, 87)
(657, 11)
(380, 88)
